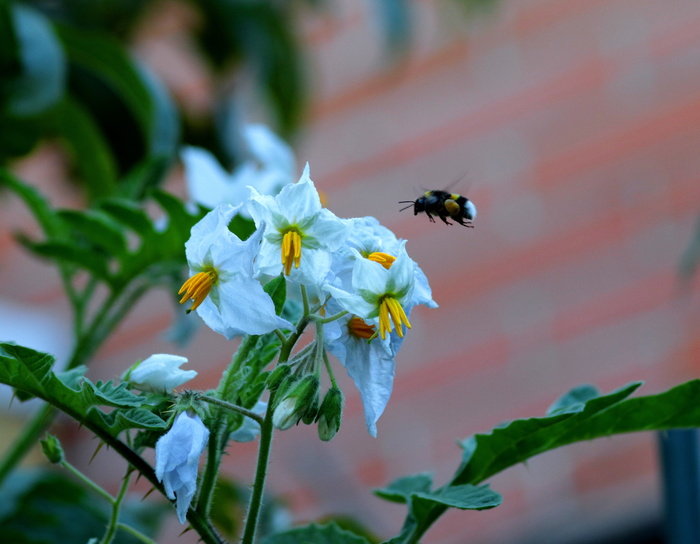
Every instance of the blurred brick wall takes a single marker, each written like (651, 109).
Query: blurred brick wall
(576, 126)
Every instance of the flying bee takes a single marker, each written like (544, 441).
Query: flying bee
(445, 205)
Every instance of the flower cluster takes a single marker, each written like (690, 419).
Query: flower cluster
(351, 280)
(358, 269)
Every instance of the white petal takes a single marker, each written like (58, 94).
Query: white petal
(374, 377)
(160, 372)
(269, 149)
(207, 182)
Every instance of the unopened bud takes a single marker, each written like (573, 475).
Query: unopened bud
(330, 414)
(296, 402)
(51, 447)
(275, 378)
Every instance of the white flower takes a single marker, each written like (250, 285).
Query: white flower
(270, 166)
(377, 243)
(159, 373)
(300, 234)
(376, 282)
(222, 287)
(370, 363)
(177, 459)
(380, 292)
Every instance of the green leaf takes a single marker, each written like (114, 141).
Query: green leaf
(277, 289)
(316, 534)
(97, 227)
(525, 438)
(30, 372)
(40, 80)
(37, 204)
(464, 497)
(92, 155)
(400, 490)
(574, 400)
(579, 415)
(134, 113)
(68, 252)
(129, 214)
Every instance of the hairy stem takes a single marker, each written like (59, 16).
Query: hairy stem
(255, 503)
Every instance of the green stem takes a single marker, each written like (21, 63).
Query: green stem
(329, 369)
(286, 349)
(231, 407)
(135, 533)
(219, 432)
(323, 320)
(266, 432)
(87, 481)
(116, 506)
(304, 299)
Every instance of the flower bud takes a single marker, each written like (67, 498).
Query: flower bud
(275, 378)
(296, 402)
(51, 447)
(330, 414)
(311, 412)
(159, 373)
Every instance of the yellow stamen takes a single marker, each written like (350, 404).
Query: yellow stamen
(197, 288)
(357, 327)
(291, 251)
(384, 259)
(390, 310)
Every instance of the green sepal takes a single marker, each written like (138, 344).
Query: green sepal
(277, 289)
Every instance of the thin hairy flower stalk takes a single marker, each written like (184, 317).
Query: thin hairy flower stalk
(116, 506)
(219, 433)
(135, 533)
(266, 432)
(329, 368)
(231, 407)
(87, 481)
(329, 319)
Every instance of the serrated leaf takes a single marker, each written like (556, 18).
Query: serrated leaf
(109, 394)
(316, 534)
(68, 252)
(30, 372)
(130, 215)
(400, 490)
(98, 228)
(120, 420)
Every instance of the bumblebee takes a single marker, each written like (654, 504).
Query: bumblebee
(445, 205)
